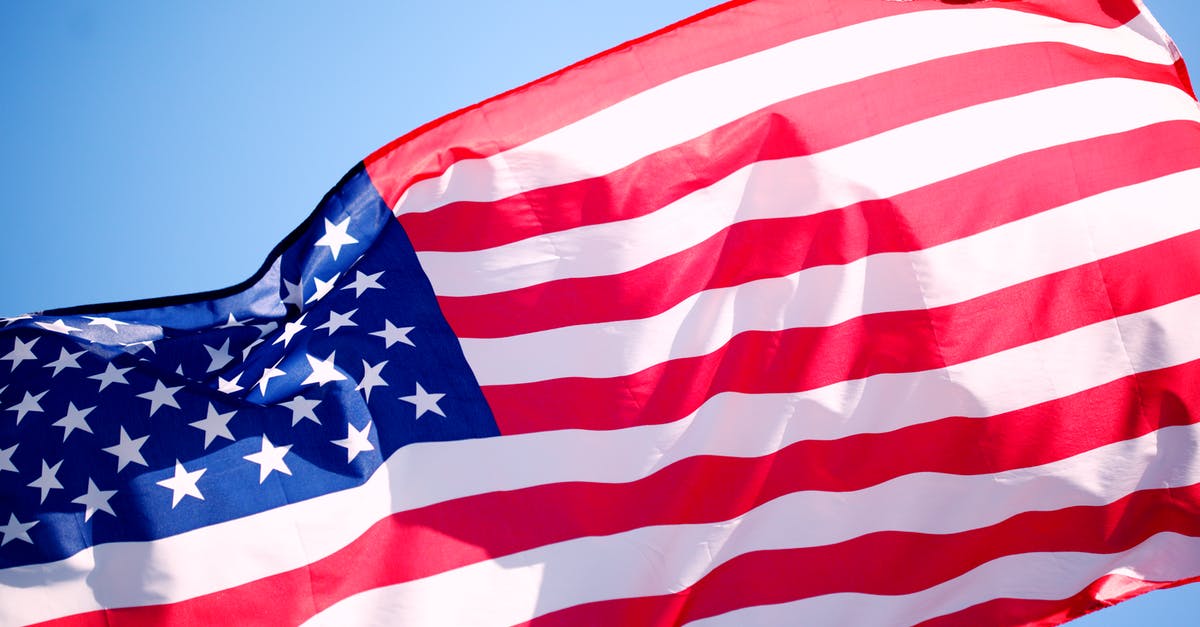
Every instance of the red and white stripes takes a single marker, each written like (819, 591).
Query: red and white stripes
(797, 312)
(877, 235)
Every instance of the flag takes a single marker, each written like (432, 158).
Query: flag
(795, 312)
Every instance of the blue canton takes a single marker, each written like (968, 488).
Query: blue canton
(138, 421)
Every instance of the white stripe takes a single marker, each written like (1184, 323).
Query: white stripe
(233, 553)
(664, 116)
(1071, 235)
(1148, 27)
(1055, 576)
(881, 166)
(519, 587)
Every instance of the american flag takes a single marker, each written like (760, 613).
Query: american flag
(867, 312)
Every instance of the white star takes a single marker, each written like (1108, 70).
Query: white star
(356, 441)
(95, 500)
(111, 374)
(270, 458)
(161, 395)
(6, 462)
(267, 375)
(219, 356)
(183, 484)
(105, 322)
(363, 282)
(16, 530)
(57, 326)
(75, 419)
(128, 450)
(215, 425)
(27, 404)
(294, 293)
(290, 330)
(323, 371)
(392, 334)
(8, 321)
(425, 401)
(266, 328)
(303, 409)
(66, 359)
(337, 321)
(20, 352)
(48, 481)
(229, 386)
(336, 236)
(246, 351)
(323, 288)
(230, 322)
(371, 378)
(144, 344)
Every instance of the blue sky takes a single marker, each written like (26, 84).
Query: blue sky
(152, 148)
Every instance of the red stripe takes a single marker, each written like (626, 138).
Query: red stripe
(1184, 79)
(1104, 592)
(907, 222)
(447, 535)
(885, 342)
(709, 38)
(847, 112)
(898, 563)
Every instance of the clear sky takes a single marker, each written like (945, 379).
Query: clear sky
(153, 148)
